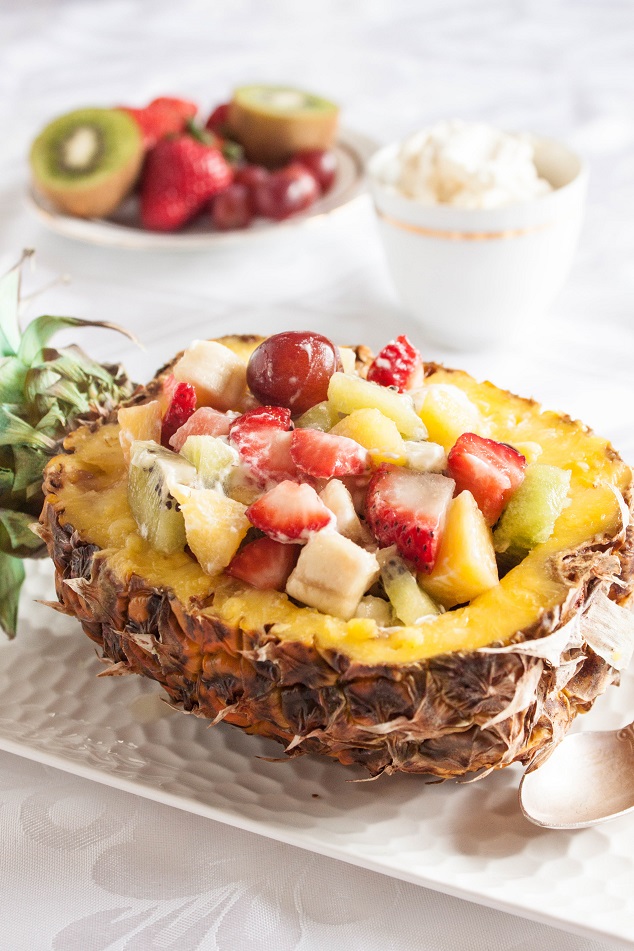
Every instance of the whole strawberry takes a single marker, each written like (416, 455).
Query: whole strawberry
(180, 175)
(163, 116)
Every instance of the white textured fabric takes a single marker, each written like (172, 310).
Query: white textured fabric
(86, 868)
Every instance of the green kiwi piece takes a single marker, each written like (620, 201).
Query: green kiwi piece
(273, 122)
(87, 161)
(153, 470)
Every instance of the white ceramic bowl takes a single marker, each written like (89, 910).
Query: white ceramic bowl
(475, 277)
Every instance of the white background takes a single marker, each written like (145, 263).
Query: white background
(86, 868)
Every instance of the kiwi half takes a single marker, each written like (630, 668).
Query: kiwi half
(88, 160)
(273, 122)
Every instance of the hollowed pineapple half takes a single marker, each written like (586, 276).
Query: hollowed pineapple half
(477, 687)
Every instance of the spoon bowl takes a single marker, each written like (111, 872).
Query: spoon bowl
(588, 779)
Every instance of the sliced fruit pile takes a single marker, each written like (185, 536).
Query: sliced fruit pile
(266, 154)
(307, 472)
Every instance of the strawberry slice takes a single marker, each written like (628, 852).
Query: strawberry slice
(398, 364)
(181, 406)
(262, 438)
(204, 422)
(490, 470)
(407, 509)
(265, 564)
(163, 116)
(325, 456)
(290, 512)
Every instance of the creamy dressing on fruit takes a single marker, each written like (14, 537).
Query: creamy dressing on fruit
(467, 165)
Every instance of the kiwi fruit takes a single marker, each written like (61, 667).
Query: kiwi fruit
(88, 160)
(153, 470)
(273, 122)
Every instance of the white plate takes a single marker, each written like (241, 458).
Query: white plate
(123, 229)
(467, 840)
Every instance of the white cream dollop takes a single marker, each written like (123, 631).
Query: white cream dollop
(466, 164)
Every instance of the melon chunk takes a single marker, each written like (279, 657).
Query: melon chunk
(218, 376)
(466, 565)
(347, 393)
(214, 525)
(332, 574)
(447, 413)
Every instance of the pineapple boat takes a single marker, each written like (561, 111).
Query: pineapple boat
(373, 558)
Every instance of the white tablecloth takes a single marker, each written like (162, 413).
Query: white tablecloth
(86, 868)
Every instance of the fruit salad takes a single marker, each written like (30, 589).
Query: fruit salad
(353, 486)
(265, 154)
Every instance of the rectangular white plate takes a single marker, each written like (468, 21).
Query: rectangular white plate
(468, 840)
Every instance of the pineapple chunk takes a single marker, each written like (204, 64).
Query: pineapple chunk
(529, 518)
(348, 359)
(409, 602)
(347, 393)
(321, 416)
(447, 413)
(376, 433)
(218, 376)
(376, 609)
(139, 423)
(337, 498)
(332, 574)
(466, 565)
(212, 456)
(214, 525)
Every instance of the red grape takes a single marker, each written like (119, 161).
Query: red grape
(251, 175)
(284, 193)
(232, 208)
(322, 165)
(293, 369)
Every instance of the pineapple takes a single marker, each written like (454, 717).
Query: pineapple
(464, 690)
(347, 393)
(466, 565)
(214, 525)
(141, 422)
(376, 433)
(44, 392)
(447, 413)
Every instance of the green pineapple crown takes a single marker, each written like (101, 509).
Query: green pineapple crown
(44, 394)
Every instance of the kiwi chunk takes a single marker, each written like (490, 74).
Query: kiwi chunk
(212, 457)
(88, 160)
(529, 518)
(409, 601)
(153, 471)
(273, 122)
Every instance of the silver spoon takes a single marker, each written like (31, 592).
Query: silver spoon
(588, 779)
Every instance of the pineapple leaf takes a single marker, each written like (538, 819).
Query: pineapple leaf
(38, 333)
(14, 431)
(12, 376)
(17, 526)
(11, 579)
(29, 464)
(9, 326)
(6, 479)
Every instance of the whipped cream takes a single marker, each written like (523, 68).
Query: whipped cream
(467, 165)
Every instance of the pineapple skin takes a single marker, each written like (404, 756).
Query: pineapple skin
(430, 716)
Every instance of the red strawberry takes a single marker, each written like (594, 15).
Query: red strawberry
(181, 407)
(407, 509)
(398, 364)
(265, 564)
(164, 116)
(290, 512)
(490, 470)
(325, 456)
(204, 422)
(179, 177)
(218, 121)
(263, 440)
